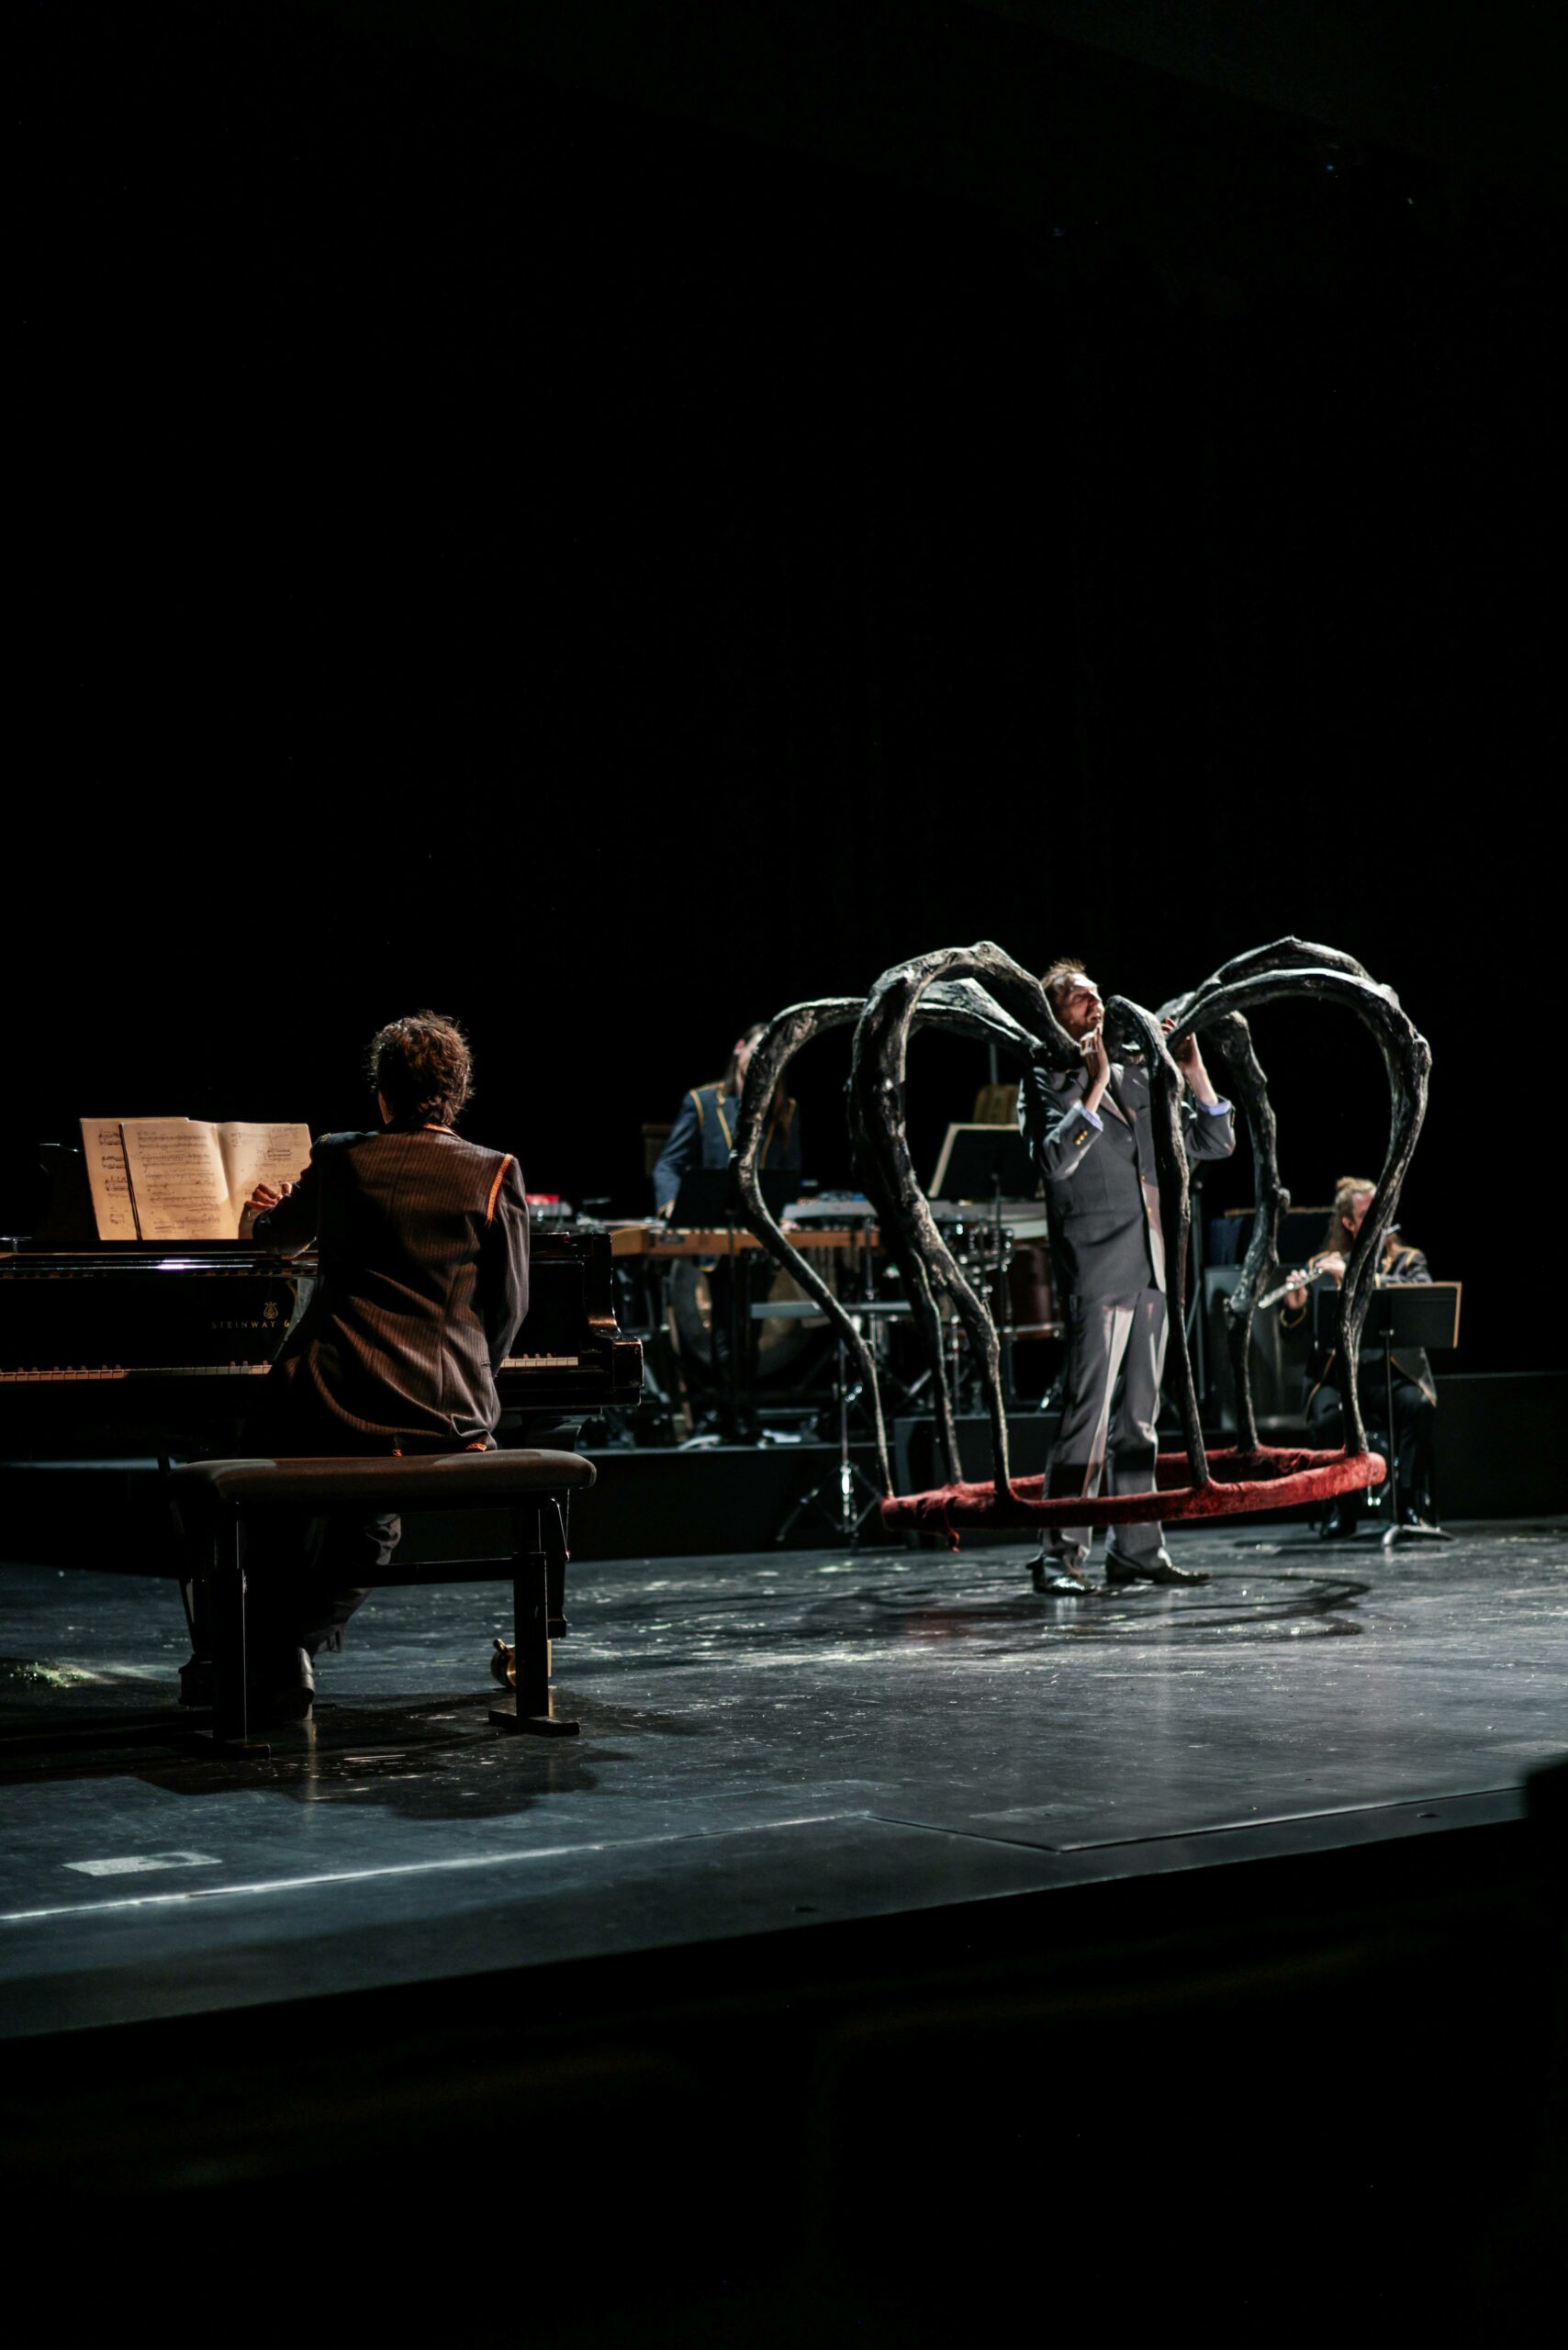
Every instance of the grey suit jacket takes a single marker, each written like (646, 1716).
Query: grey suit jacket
(1103, 1186)
(422, 1284)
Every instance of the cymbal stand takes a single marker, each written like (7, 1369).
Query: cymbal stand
(732, 1311)
(1394, 1533)
(894, 1388)
(1003, 1290)
(835, 1498)
(879, 1310)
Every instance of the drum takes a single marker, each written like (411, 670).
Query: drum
(1031, 1291)
(697, 1295)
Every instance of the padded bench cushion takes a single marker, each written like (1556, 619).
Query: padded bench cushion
(418, 1481)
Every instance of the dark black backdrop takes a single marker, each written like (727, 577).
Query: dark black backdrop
(486, 546)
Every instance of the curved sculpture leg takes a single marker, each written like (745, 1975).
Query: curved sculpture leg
(886, 1171)
(1230, 1040)
(1284, 955)
(771, 1056)
(926, 1316)
(940, 988)
(960, 1007)
(1408, 1087)
(1265, 977)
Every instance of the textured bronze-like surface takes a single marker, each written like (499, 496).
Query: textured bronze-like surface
(1012, 1010)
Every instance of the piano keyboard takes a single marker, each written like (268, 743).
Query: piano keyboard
(141, 1370)
(132, 1337)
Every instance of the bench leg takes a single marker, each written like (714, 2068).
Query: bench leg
(224, 1613)
(557, 1519)
(533, 1709)
(196, 1677)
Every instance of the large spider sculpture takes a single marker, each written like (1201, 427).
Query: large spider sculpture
(980, 992)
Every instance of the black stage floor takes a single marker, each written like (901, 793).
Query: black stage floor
(767, 1741)
(893, 1940)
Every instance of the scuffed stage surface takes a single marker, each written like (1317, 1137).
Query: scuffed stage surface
(768, 1742)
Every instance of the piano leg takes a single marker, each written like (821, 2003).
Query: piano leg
(531, 1710)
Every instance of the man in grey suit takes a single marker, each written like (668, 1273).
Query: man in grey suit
(1090, 1131)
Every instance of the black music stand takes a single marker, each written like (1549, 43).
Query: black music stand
(1409, 1314)
(1399, 1314)
(706, 1204)
(987, 1163)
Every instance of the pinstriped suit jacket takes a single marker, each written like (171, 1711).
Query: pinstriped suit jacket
(422, 1286)
(1102, 1184)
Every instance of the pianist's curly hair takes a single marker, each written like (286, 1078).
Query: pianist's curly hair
(423, 1067)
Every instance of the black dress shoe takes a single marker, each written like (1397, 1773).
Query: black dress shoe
(1414, 1527)
(1161, 1568)
(1055, 1582)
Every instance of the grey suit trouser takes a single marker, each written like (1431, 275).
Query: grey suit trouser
(1106, 1336)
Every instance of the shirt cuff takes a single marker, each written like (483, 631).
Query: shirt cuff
(1213, 1109)
(1094, 1119)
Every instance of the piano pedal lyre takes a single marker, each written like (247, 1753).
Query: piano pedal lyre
(503, 1661)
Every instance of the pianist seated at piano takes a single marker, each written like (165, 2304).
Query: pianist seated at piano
(422, 1243)
(704, 1128)
(1414, 1388)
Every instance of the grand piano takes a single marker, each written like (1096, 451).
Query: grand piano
(168, 1349)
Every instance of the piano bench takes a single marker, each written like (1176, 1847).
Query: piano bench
(216, 1497)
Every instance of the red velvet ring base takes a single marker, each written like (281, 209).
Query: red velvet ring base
(1274, 1477)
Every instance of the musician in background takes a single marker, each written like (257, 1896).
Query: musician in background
(702, 1137)
(704, 1130)
(1414, 1389)
(421, 1285)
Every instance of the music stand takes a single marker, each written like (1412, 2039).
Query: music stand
(1399, 1314)
(984, 1163)
(705, 1201)
(1409, 1314)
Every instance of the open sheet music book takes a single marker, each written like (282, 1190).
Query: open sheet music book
(184, 1179)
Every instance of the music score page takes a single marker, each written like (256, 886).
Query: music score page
(260, 1154)
(108, 1179)
(185, 1179)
